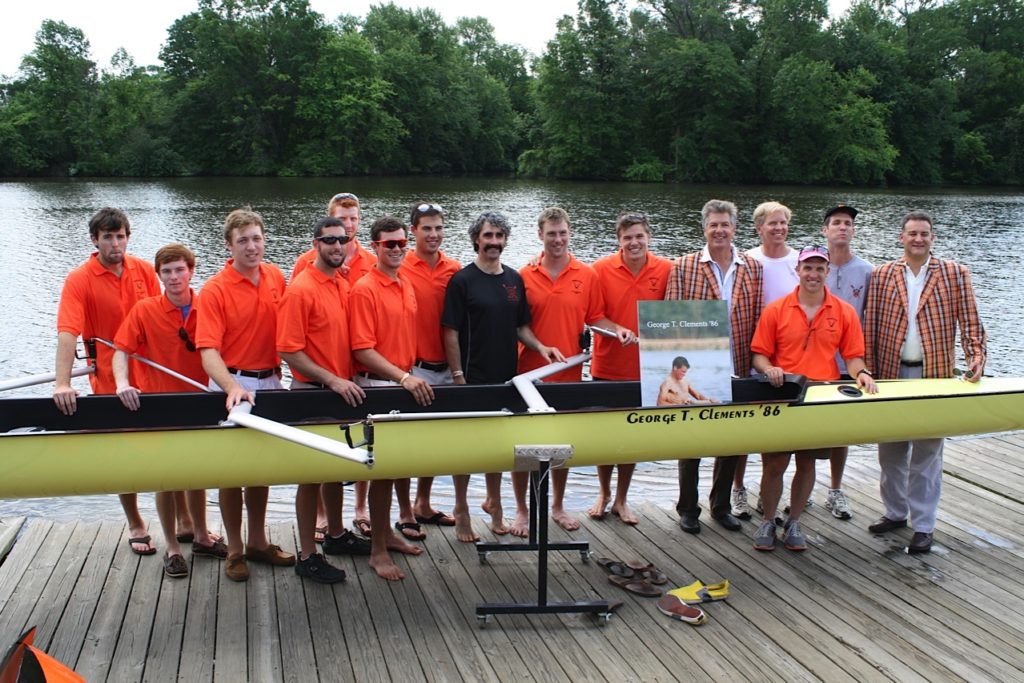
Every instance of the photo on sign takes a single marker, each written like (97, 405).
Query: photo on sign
(684, 353)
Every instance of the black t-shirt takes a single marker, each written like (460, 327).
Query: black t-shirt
(487, 310)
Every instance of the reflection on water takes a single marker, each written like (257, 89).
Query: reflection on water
(43, 234)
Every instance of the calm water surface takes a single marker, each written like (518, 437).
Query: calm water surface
(44, 234)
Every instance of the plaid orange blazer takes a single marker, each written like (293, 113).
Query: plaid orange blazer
(690, 279)
(946, 301)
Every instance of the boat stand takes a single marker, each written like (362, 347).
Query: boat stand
(538, 540)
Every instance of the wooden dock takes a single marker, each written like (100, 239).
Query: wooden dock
(854, 607)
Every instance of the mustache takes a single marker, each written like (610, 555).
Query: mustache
(499, 247)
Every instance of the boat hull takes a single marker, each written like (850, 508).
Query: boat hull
(208, 455)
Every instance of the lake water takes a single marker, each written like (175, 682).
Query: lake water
(44, 234)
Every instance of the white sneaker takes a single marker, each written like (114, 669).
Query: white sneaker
(740, 509)
(838, 505)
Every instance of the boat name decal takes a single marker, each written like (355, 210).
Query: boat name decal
(693, 415)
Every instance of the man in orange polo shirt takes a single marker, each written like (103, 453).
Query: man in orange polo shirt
(383, 333)
(96, 297)
(801, 333)
(161, 328)
(564, 294)
(312, 336)
(629, 275)
(358, 261)
(428, 270)
(235, 335)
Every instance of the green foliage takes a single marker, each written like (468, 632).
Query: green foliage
(894, 91)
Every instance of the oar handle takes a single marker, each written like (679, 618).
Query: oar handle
(241, 415)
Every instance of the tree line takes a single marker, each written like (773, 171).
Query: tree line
(895, 92)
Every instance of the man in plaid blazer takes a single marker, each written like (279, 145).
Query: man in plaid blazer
(718, 271)
(901, 345)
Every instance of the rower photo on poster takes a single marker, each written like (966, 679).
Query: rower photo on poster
(684, 353)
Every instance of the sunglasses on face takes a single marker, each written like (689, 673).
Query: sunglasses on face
(391, 244)
(183, 335)
(333, 239)
(815, 250)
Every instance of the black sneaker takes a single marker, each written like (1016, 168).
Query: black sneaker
(316, 568)
(346, 544)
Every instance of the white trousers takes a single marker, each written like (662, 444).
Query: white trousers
(911, 479)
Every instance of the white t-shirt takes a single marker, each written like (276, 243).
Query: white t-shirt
(779, 273)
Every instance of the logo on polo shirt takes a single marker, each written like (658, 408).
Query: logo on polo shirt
(653, 282)
(511, 292)
(855, 291)
(578, 286)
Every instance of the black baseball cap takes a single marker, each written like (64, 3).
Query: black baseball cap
(841, 208)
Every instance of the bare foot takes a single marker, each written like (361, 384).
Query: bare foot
(625, 514)
(521, 526)
(599, 507)
(497, 517)
(464, 528)
(565, 520)
(385, 567)
(397, 544)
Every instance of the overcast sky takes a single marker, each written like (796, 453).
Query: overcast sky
(140, 26)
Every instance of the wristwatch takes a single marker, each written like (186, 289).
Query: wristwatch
(865, 371)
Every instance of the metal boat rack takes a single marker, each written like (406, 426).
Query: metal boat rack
(539, 459)
(544, 455)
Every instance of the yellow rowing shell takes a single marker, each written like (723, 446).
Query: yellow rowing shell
(77, 463)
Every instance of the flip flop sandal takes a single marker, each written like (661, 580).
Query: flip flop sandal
(655, 576)
(674, 608)
(404, 527)
(635, 586)
(437, 519)
(638, 565)
(185, 538)
(615, 567)
(691, 595)
(140, 540)
(362, 525)
(319, 533)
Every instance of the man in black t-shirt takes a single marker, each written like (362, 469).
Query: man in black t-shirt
(485, 316)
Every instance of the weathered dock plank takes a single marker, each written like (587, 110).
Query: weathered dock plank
(855, 606)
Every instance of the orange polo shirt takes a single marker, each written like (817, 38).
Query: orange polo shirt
(797, 346)
(360, 264)
(622, 290)
(313, 318)
(383, 317)
(152, 330)
(95, 301)
(239, 319)
(558, 309)
(429, 284)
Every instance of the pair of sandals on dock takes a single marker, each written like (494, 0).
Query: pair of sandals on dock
(643, 578)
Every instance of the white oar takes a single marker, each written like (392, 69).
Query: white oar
(240, 415)
(161, 368)
(43, 378)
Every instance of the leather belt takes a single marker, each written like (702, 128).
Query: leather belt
(433, 367)
(912, 364)
(379, 378)
(255, 374)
